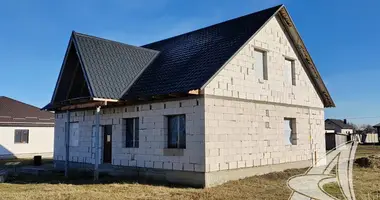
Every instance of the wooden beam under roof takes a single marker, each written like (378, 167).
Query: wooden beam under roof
(83, 105)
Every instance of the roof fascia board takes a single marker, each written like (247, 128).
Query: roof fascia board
(238, 51)
(61, 71)
(107, 100)
(306, 59)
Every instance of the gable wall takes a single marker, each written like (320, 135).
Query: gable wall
(244, 116)
(238, 79)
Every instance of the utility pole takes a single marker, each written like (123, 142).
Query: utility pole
(67, 143)
(97, 149)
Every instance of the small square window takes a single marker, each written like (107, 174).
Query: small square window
(21, 136)
(290, 132)
(177, 131)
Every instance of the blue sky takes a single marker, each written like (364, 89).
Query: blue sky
(342, 37)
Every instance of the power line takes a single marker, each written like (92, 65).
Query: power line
(358, 117)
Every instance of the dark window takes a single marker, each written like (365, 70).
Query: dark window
(177, 131)
(132, 133)
(22, 136)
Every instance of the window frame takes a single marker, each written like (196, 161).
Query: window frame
(74, 143)
(24, 133)
(293, 139)
(178, 144)
(135, 132)
(265, 62)
(292, 69)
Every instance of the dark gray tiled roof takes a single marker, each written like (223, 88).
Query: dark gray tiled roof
(337, 123)
(188, 61)
(174, 65)
(329, 125)
(111, 66)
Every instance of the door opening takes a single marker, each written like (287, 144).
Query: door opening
(107, 144)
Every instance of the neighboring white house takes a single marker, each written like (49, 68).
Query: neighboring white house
(338, 132)
(232, 100)
(25, 130)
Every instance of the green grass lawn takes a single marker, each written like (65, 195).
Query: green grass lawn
(269, 186)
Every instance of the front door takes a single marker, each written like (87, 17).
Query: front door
(107, 144)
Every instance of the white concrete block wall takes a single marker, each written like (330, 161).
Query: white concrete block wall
(153, 135)
(41, 140)
(244, 116)
(239, 79)
(243, 134)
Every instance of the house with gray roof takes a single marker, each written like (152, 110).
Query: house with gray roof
(338, 132)
(220, 103)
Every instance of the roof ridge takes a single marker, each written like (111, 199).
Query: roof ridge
(113, 41)
(212, 25)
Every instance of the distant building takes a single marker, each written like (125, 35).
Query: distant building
(374, 137)
(25, 130)
(337, 132)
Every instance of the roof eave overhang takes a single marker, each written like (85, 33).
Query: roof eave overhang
(83, 102)
(93, 102)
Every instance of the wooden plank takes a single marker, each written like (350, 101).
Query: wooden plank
(197, 92)
(84, 105)
(108, 100)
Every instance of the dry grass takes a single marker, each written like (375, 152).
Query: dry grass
(366, 184)
(270, 186)
(366, 179)
(367, 150)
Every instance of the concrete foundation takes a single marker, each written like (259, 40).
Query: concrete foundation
(149, 175)
(216, 178)
(184, 178)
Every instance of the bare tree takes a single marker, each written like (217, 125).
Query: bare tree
(367, 128)
(354, 126)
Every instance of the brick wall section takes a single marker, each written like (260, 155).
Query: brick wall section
(244, 119)
(153, 135)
